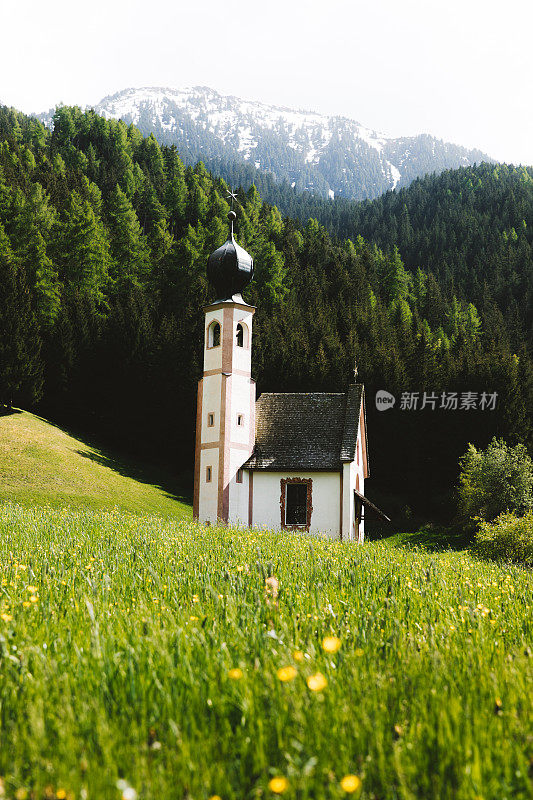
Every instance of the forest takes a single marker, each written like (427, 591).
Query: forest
(104, 240)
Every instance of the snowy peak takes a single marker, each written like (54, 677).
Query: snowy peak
(325, 155)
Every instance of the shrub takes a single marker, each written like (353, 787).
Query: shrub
(508, 538)
(495, 480)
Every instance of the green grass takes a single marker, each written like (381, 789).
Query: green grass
(118, 635)
(41, 464)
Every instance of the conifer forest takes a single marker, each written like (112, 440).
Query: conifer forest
(104, 240)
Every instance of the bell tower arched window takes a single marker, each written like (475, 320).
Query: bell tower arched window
(213, 335)
(239, 337)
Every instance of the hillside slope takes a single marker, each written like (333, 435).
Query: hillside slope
(326, 155)
(41, 464)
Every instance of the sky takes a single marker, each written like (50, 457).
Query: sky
(461, 70)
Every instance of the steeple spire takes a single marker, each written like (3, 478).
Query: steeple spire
(232, 216)
(230, 268)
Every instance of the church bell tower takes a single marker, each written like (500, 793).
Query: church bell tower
(225, 417)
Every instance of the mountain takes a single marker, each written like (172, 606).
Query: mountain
(327, 156)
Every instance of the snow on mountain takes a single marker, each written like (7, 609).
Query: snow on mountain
(325, 155)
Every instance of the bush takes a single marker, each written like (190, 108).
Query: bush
(495, 480)
(508, 538)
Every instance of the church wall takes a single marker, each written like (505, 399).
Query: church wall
(353, 478)
(238, 492)
(212, 355)
(325, 518)
(240, 404)
(352, 471)
(211, 405)
(359, 468)
(242, 358)
(348, 485)
(209, 491)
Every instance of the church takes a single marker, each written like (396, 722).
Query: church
(293, 461)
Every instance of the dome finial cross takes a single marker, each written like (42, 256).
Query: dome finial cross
(233, 197)
(232, 216)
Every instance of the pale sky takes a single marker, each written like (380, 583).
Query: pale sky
(461, 70)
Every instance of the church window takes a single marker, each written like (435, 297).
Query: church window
(240, 335)
(296, 502)
(208, 475)
(213, 335)
(240, 420)
(210, 420)
(239, 476)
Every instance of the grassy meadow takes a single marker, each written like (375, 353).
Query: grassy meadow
(151, 658)
(42, 464)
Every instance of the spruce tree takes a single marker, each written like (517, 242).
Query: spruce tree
(20, 343)
(129, 248)
(82, 249)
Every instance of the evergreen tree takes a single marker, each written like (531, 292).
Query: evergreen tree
(129, 249)
(20, 344)
(82, 249)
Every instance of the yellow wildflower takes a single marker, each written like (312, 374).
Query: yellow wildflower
(61, 794)
(317, 682)
(331, 644)
(359, 652)
(350, 783)
(26, 603)
(31, 589)
(34, 599)
(235, 674)
(215, 797)
(287, 673)
(6, 617)
(298, 655)
(278, 785)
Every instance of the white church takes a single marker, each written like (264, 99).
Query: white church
(293, 461)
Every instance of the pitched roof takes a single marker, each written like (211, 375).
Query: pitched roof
(306, 431)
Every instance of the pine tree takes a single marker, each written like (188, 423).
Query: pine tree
(31, 224)
(20, 343)
(82, 249)
(129, 248)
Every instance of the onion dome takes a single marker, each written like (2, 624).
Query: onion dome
(230, 268)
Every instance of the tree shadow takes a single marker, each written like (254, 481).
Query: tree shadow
(434, 538)
(430, 537)
(174, 486)
(5, 411)
(140, 472)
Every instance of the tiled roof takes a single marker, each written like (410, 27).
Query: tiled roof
(306, 431)
(353, 410)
